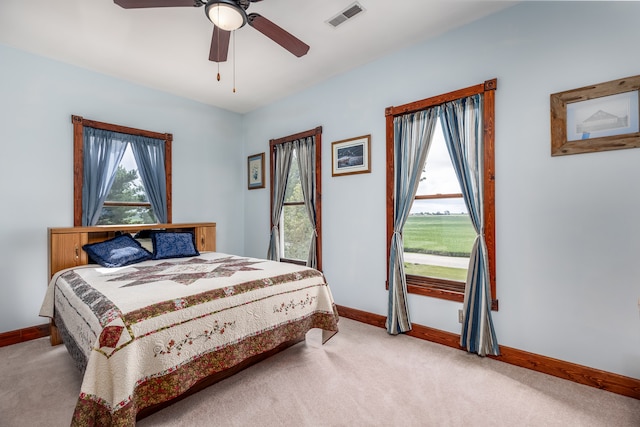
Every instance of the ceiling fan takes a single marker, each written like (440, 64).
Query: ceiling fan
(227, 15)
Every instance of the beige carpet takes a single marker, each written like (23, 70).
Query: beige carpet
(361, 377)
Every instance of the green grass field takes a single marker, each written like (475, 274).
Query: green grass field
(458, 274)
(450, 235)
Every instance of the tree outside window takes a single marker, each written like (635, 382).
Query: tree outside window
(127, 202)
(296, 228)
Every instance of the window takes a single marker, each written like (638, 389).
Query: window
(127, 200)
(438, 235)
(297, 242)
(296, 230)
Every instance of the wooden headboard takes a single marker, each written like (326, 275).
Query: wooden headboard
(65, 244)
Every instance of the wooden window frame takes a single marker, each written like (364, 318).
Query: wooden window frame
(78, 163)
(317, 133)
(440, 288)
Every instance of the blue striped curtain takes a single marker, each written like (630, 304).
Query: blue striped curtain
(149, 155)
(462, 127)
(412, 139)
(306, 149)
(102, 151)
(281, 166)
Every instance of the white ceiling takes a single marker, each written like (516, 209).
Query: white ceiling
(168, 48)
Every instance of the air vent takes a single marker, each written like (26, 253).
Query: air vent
(346, 14)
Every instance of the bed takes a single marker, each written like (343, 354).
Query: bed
(154, 330)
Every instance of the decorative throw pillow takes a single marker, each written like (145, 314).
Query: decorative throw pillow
(117, 252)
(168, 244)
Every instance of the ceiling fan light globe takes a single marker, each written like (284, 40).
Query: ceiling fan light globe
(226, 15)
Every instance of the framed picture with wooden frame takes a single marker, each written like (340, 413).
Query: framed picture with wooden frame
(351, 156)
(595, 118)
(255, 171)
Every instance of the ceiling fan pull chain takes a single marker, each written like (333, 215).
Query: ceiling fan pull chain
(218, 41)
(233, 34)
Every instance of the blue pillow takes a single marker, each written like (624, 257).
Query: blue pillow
(168, 244)
(117, 252)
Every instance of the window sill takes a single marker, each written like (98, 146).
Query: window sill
(439, 288)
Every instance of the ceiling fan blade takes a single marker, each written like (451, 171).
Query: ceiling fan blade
(278, 35)
(135, 4)
(219, 45)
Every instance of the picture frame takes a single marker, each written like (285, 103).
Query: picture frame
(600, 117)
(351, 156)
(255, 171)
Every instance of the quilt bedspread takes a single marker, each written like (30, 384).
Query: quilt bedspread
(146, 333)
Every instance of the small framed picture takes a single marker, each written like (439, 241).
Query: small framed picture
(600, 117)
(351, 156)
(255, 170)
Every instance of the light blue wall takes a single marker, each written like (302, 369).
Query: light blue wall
(37, 98)
(567, 232)
(568, 235)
